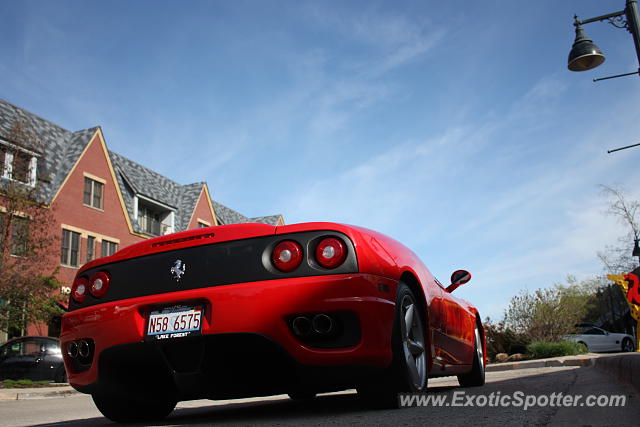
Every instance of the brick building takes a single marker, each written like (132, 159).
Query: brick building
(101, 200)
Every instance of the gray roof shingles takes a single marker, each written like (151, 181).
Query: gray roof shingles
(63, 148)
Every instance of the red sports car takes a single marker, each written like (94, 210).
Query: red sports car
(251, 309)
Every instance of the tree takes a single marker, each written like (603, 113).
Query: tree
(549, 314)
(27, 265)
(618, 259)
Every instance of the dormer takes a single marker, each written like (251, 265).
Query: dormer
(152, 217)
(18, 163)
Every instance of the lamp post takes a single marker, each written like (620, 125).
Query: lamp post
(585, 55)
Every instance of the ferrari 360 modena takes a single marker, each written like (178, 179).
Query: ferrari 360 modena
(247, 310)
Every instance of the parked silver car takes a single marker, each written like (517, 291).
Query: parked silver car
(598, 340)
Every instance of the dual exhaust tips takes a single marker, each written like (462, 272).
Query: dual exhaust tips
(79, 348)
(321, 324)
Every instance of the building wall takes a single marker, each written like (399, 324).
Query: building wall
(108, 223)
(71, 213)
(202, 212)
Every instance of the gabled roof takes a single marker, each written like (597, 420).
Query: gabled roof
(63, 148)
(227, 215)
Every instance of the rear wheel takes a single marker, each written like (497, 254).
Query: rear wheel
(408, 370)
(475, 378)
(627, 345)
(120, 409)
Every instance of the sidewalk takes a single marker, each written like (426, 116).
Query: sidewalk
(36, 393)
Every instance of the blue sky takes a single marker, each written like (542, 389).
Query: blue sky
(453, 127)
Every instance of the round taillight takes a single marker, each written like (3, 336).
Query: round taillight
(79, 289)
(331, 252)
(99, 284)
(287, 256)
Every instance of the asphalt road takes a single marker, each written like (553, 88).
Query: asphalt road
(345, 408)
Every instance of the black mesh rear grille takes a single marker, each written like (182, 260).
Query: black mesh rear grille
(217, 264)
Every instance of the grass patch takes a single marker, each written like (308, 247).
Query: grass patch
(25, 384)
(544, 349)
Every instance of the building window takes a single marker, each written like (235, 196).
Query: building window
(93, 193)
(70, 248)
(21, 162)
(18, 164)
(91, 248)
(109, 248)
(19, 236)
(154, 220)
(3, 160)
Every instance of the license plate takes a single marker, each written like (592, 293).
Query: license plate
(174, 322)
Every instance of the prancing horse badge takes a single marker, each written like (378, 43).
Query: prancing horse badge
(178, 270)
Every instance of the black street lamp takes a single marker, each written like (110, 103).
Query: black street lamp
(585, 55)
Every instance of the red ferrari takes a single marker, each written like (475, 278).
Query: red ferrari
(251, 310)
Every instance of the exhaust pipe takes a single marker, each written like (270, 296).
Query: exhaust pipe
(72, 349)
(83, 348)
(322, 324)
(301, 326)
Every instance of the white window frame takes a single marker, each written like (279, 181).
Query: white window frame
(171, 226)
(94, 181)
(67, 260)
(8, 164)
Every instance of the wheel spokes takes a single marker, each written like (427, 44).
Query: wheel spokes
(408, 320)
(416, 348)
(413, 369)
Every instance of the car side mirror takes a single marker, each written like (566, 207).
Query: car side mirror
(458, 277)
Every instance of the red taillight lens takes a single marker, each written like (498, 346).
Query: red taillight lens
(287, 256)
(79, 289)
(99, 284)
(331, 252)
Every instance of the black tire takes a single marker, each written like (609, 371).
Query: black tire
(408, 370)
(627, 345)
(476, 377)
(61, 375)
(120, 409)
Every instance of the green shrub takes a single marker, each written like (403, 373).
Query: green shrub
(542, 349)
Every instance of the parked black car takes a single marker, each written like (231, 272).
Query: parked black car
(32, 358)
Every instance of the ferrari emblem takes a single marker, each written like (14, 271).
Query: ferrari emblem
(178, 269)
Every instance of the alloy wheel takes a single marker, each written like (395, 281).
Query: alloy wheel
(413, 343)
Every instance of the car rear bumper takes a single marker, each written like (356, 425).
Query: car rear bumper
(258, 309)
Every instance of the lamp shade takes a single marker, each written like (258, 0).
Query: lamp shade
(584, 54)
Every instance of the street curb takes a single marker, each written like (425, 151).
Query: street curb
(543, 363)
(36, 393)
(622, 367)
